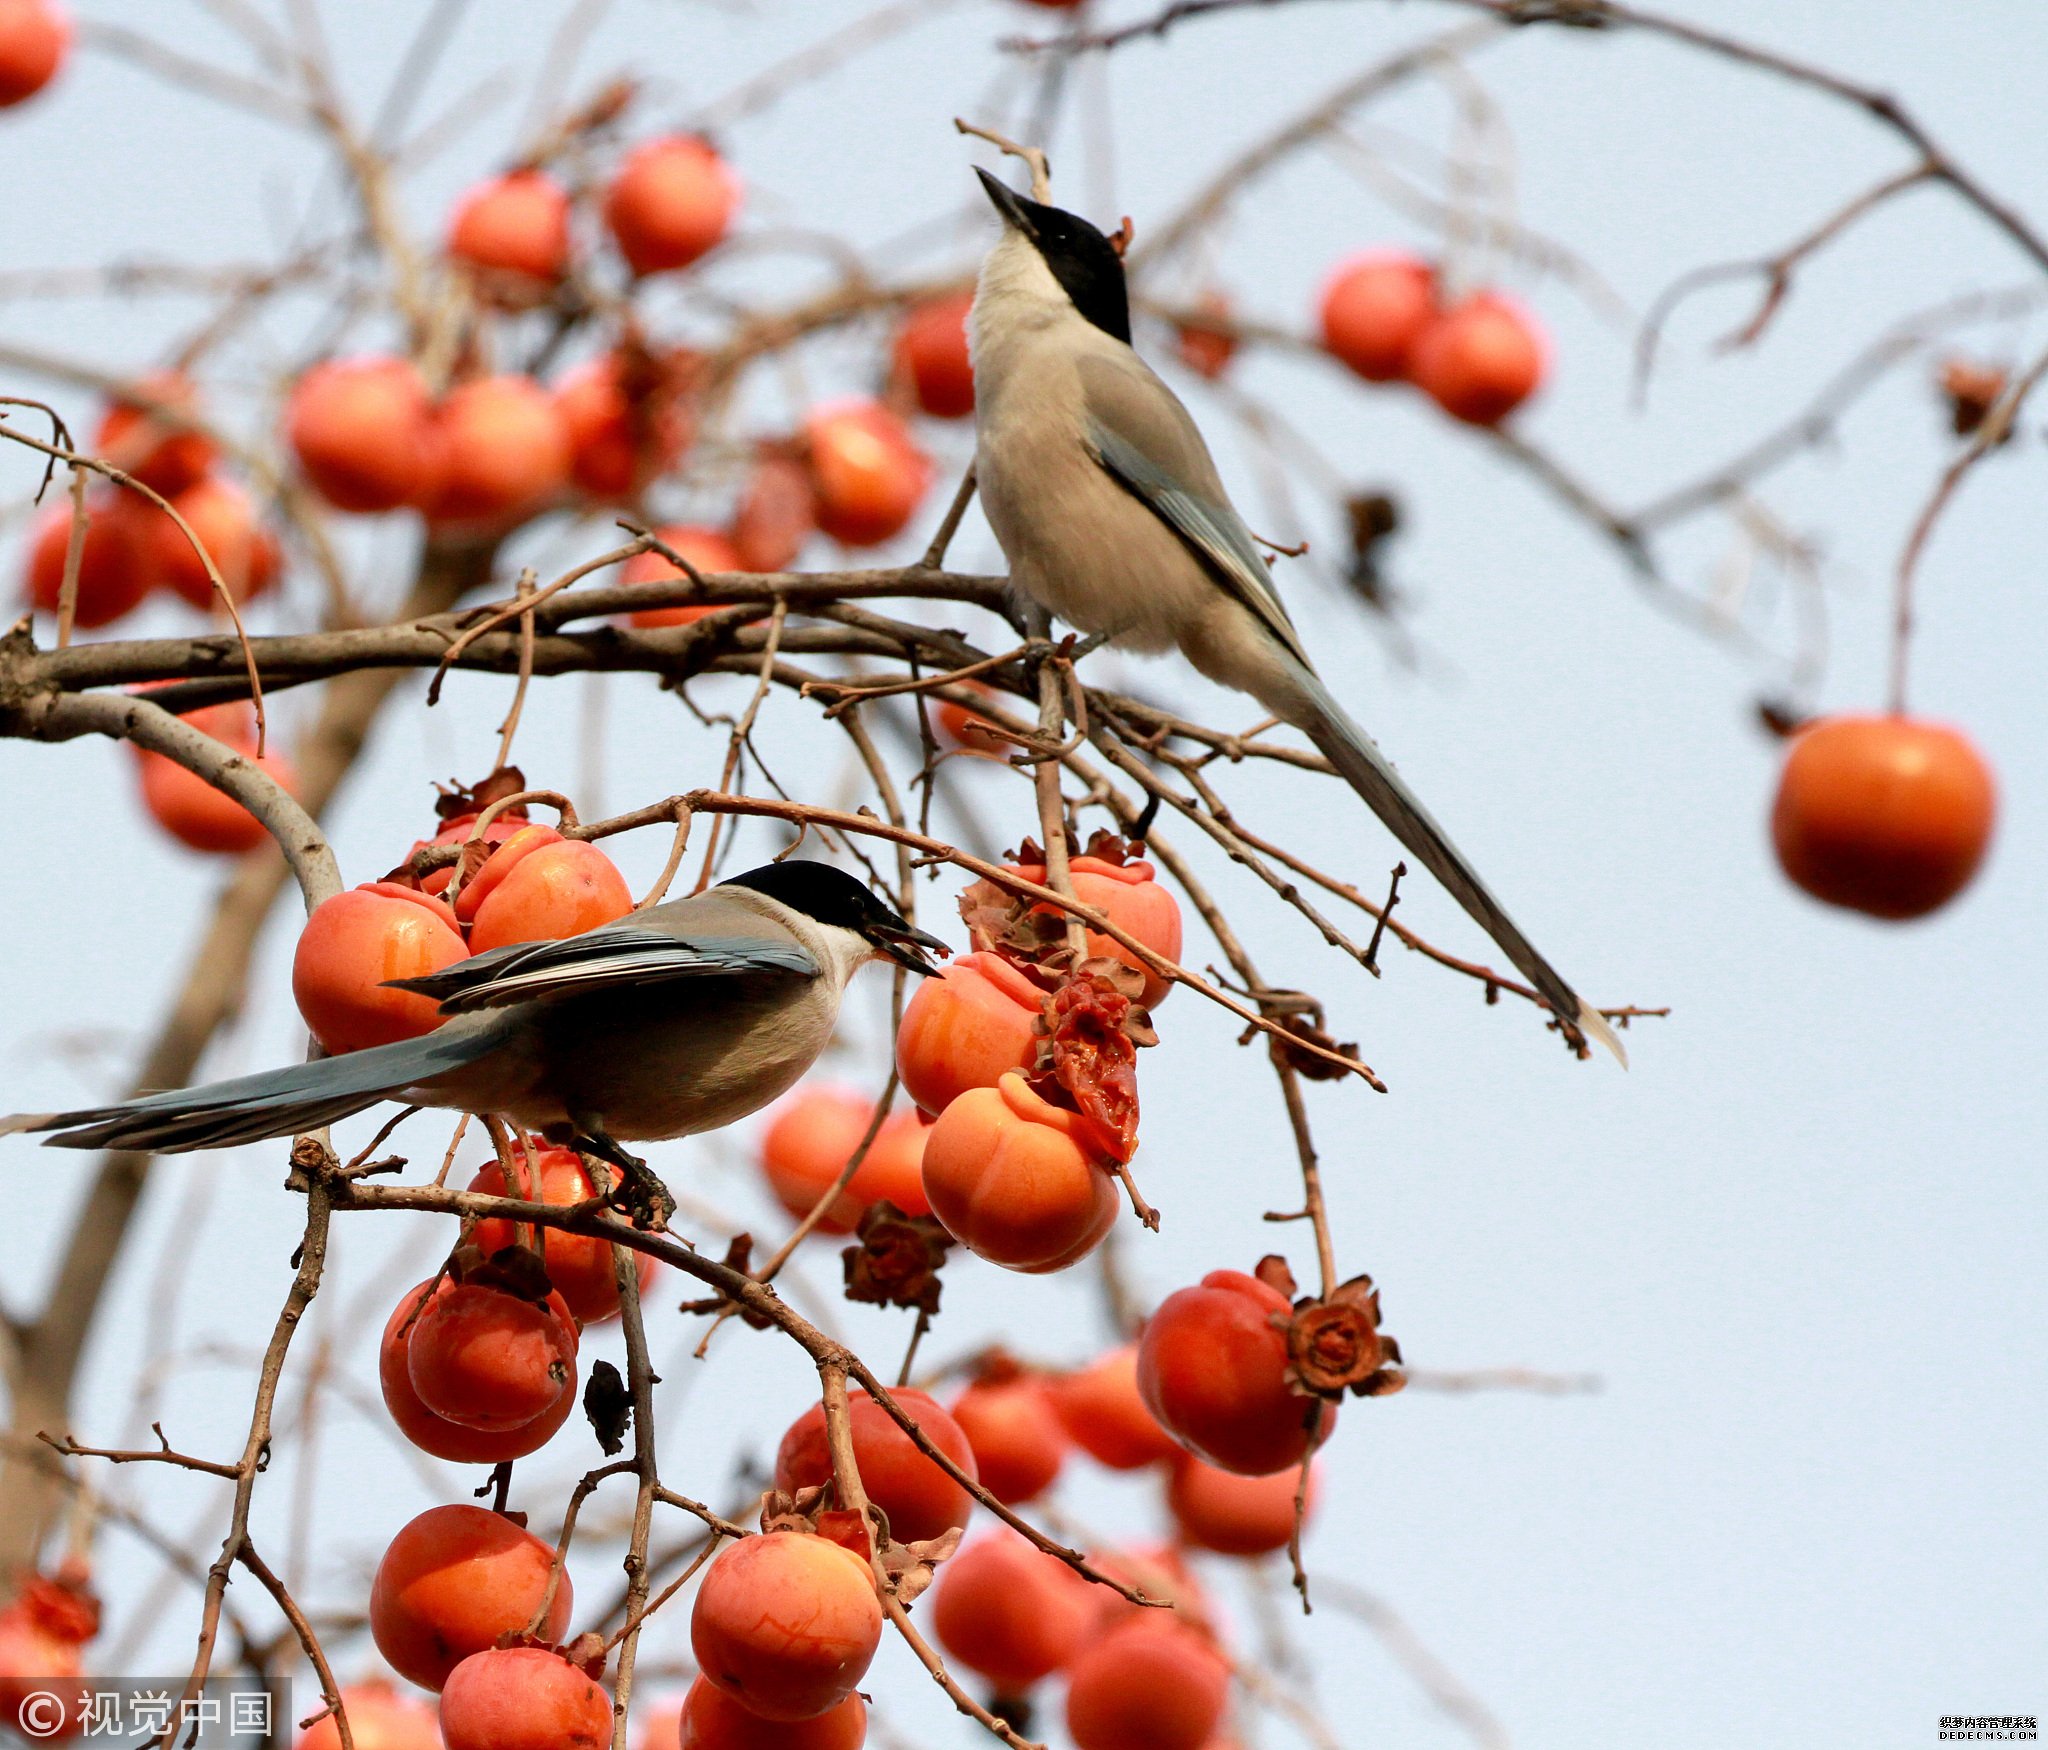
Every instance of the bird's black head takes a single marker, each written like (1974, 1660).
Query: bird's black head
(832, 896)
(1081, 258)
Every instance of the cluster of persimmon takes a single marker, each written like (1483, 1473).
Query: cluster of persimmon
(131, 550)
(513, 880)
(1017, 1067)
(1387, 317)
(491, 450)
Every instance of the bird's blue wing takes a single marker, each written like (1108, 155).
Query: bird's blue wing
(1149, 444)
(610, 958)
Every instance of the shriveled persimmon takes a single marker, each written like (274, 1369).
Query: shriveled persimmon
(921, 1500)
(786, 1624)
(454, 1580)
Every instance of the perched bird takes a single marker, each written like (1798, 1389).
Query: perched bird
(1110, 510)
(683, 1019)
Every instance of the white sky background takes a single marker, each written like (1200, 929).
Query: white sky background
(1799, 1242)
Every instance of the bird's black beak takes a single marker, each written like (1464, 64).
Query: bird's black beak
(1016, 210)
(902, 944)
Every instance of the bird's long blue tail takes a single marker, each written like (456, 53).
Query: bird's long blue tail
(1366, 770)
(278, 1102)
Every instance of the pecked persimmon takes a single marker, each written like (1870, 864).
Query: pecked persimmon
(197, 814)
(1147, 1685)
(1106, 1414)
(452, 1581)
(1013, 1179)
(540, 887)
(221, 515)
(706, 549)
(672, 200)
(921, 1500)
(523, 1698)
(1131, 897)
(786, 1623)
(512, 232)
(1374, 310)
(776, 513)
(489, 1359)
(626, 418)
(435, 1434)
(35, 36)
(964, 1028)
(379, 1718)
(363, 432)
(579, 1266)
(1231, 1514)
(114, 567)
(1212, 1367)
(1019, 1441)
(811, 1138)
(1885, 815)
(712, 1720)
(1010, 1612)
(503, 452)
(1480, 359)
(868, 473)
(356, 941)
(931, 354)
(156, 449)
